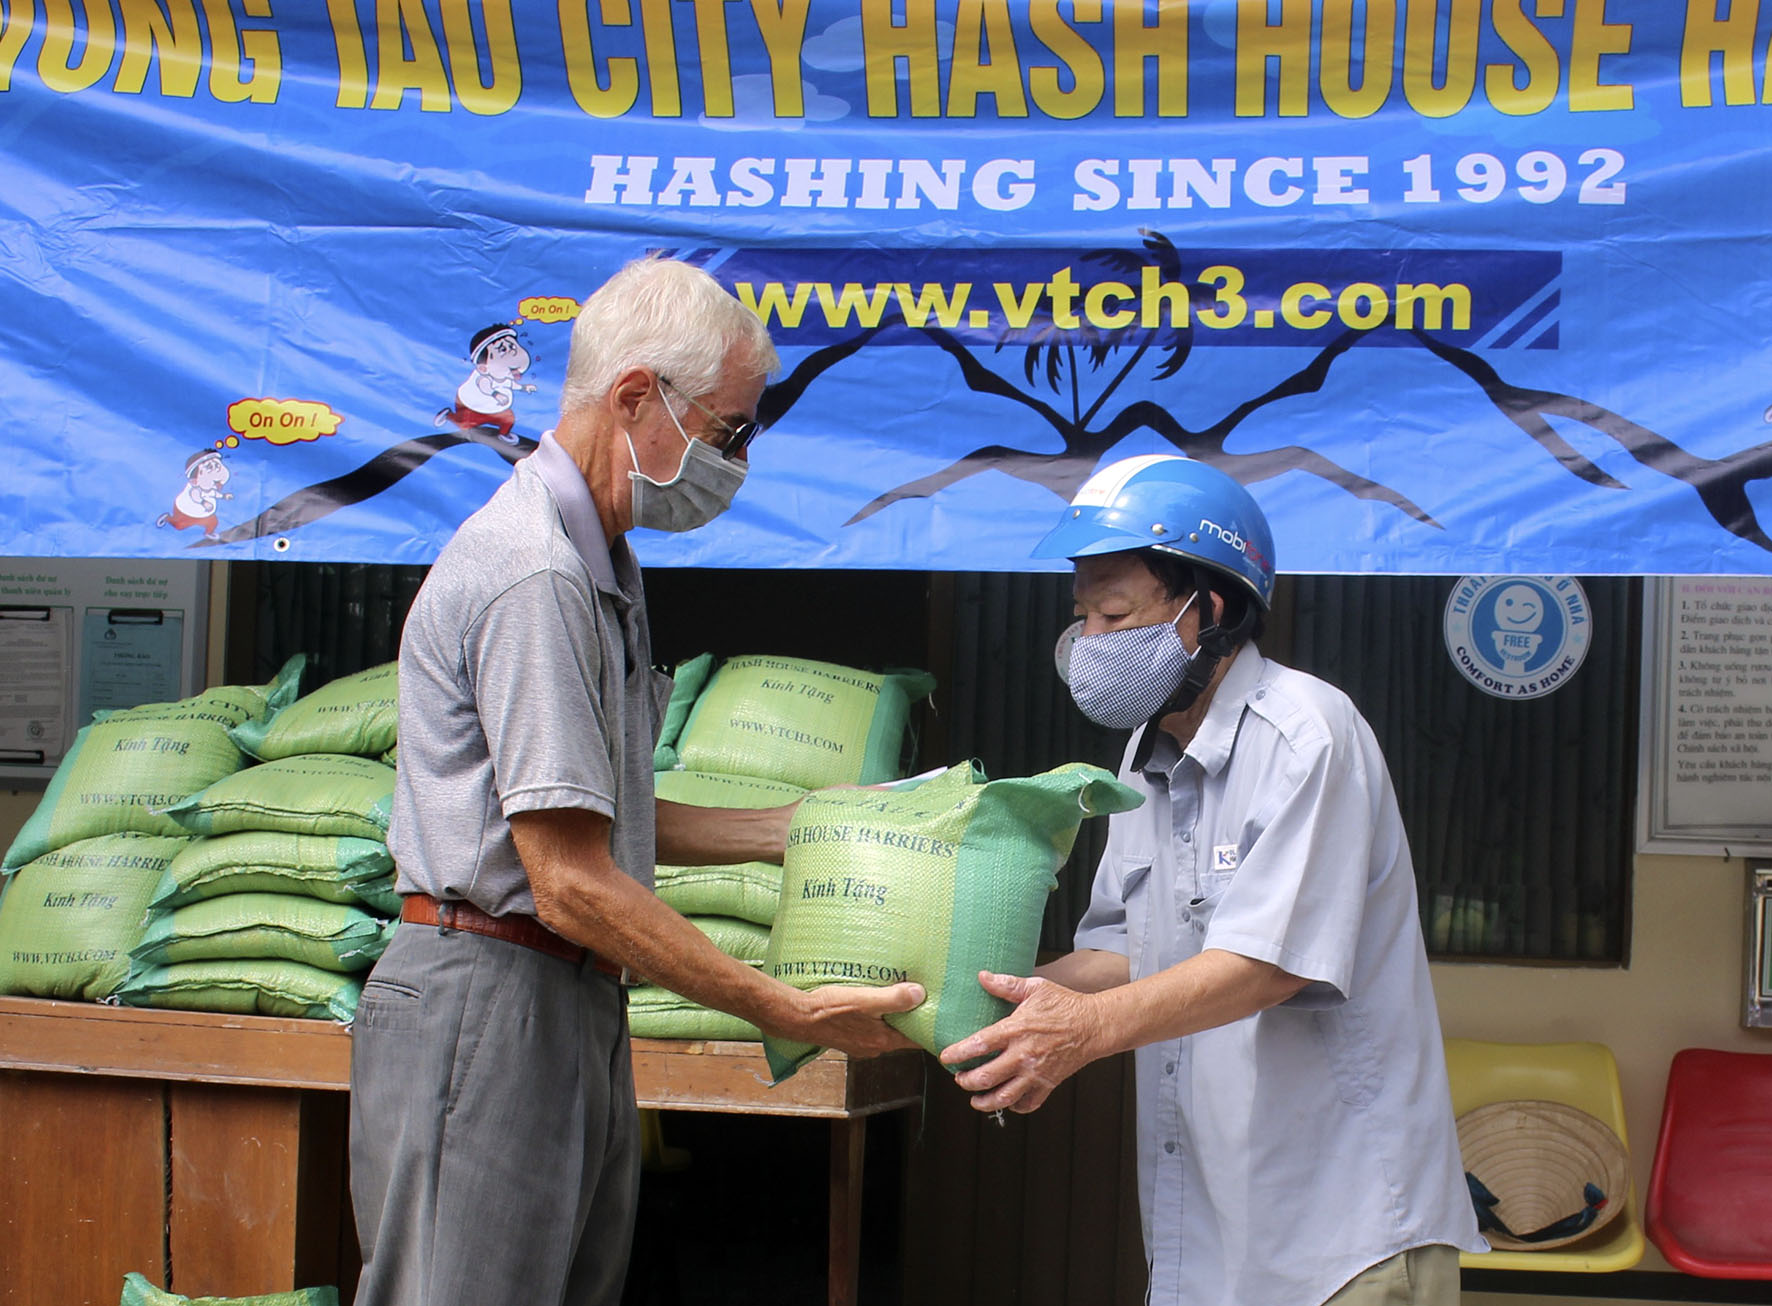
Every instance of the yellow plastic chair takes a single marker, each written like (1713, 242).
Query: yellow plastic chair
(1581, 1075)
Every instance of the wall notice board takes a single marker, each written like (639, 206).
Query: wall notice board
(1706, 782)
(83, 635)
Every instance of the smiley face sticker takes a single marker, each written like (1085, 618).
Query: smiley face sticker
(1518, 636)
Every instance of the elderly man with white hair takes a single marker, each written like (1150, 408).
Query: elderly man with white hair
(494, 1137)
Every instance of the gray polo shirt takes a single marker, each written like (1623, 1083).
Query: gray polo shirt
(526, 684)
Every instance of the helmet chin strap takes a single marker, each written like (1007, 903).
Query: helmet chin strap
(1216, 643)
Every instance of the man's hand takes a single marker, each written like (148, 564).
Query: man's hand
(848, 1017)
(1052, 1033)
(1056, 1031)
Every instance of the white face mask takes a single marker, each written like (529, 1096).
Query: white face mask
(700, 491)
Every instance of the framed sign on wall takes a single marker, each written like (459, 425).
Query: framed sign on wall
(1706, 745)
(1756, 1003)
(85, 635)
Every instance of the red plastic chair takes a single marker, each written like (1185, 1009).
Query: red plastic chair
(1710, 1195)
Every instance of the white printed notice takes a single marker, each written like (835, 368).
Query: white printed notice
(1709, 763)
(83, 635)
(36, 643)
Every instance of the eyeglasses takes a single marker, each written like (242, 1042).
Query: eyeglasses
(737, 438)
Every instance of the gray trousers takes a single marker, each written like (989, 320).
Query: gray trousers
(495, 1152)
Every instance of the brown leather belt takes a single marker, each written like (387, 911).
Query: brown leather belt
(459, 914)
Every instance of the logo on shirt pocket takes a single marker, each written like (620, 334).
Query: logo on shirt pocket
(1218, 872)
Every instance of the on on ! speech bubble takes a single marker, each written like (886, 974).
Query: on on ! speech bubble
(548, 308)
(282, 421)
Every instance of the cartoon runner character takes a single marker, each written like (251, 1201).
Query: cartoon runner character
(484, 399)
(205, 474)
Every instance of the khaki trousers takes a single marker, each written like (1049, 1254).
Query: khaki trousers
(1422, 1276)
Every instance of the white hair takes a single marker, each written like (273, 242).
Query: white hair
(670, 318)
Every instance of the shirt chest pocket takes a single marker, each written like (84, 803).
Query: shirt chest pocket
(1135, 895)
(1211, 878)
(1217, 869)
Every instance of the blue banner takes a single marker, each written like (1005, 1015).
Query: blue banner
(1454, 286)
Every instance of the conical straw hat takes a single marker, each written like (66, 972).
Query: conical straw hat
(1537, 1158)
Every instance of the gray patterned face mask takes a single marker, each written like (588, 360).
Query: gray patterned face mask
(1122, 678)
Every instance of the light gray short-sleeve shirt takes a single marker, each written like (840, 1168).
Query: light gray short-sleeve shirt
(1281, 1154)
(525, 684)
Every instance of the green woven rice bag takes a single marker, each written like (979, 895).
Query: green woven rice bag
(121, 774)
(137, 1291)
(746, 940)
(803, 723)
(655, 1012)
(658, 1013)
(69, 919)
(713, 789)
(313, 793)
(356, 714)
(748, 891)
(687, 682)
(285, 687)
(245, 988)
(334, 868)
(238, 926)
(378, 895)
(932, 882)
(226, 705)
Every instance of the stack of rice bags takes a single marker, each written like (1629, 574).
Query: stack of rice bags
(285, 896)
(753, 732)
(82, 871)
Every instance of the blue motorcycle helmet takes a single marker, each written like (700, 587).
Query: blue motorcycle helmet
(1188, 510)
(1175, 505)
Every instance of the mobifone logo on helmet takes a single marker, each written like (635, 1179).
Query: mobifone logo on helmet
(1232, 538)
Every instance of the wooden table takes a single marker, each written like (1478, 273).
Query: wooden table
(211, 1146)
(678, 1075)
